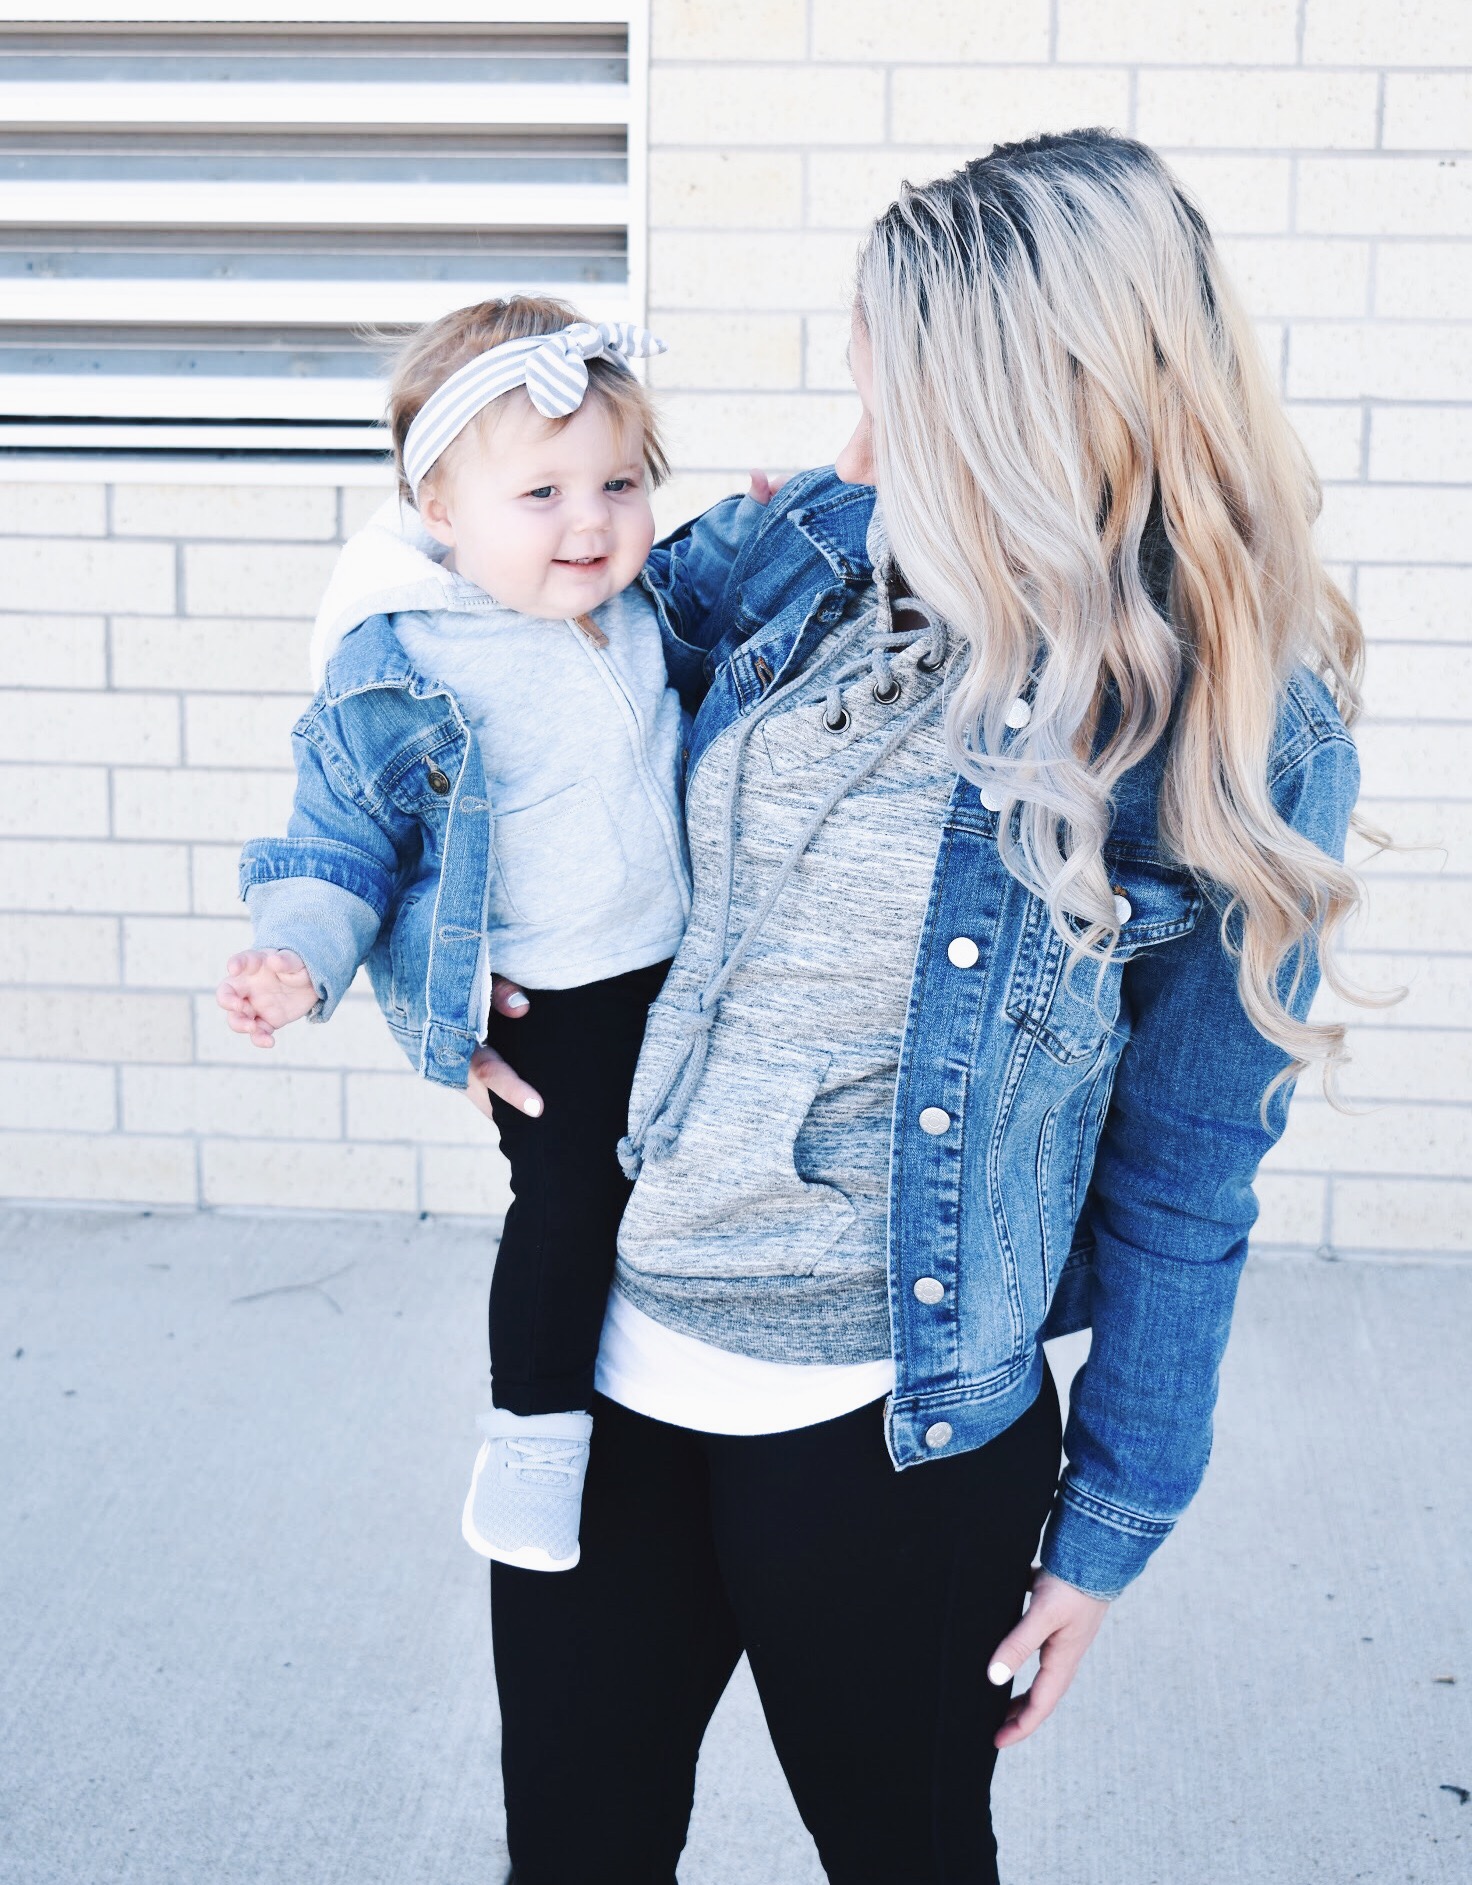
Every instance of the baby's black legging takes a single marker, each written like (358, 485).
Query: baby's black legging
(577, 1047)
(869, 1603)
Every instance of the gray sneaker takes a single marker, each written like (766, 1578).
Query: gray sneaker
(526, 1490)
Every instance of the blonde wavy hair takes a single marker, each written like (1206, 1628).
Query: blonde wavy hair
(1060, 369)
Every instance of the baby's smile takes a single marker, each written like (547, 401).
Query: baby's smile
(515, 492)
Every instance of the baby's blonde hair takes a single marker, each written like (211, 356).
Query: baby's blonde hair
(434, 352)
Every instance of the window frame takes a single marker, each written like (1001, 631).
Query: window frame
(111, 448)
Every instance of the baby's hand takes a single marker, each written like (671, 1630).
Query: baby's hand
(263, 990)
(764, 489)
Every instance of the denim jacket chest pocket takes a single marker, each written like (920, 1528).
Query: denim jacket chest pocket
(1069, 1006)
(421, 780)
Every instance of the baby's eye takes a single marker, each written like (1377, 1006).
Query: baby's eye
(619, 484)
(542, 490)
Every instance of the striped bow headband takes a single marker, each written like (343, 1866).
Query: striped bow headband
(552, 367)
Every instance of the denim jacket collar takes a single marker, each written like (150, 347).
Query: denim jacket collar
(837, 527)
(371, 655)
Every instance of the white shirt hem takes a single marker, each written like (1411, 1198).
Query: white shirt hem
(674, 1378)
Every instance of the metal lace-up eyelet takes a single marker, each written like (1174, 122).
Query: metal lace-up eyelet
(840, 724)
(927, 665)
(887, 693)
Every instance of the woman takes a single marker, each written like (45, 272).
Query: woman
(1015, 822)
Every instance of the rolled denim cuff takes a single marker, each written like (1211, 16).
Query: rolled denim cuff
(328, 860)
(1098, 1547)
(328, 927)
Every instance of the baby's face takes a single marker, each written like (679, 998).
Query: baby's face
(550, 522)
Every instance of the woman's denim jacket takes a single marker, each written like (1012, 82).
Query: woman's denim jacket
(1097, 1169)
(1076, 1184)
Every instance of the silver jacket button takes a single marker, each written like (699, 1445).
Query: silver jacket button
(1018, 714)
(1123, 909)
(928, 1290)
(938, 1434)
(993, 797)
(962, 952)
(935, 1120)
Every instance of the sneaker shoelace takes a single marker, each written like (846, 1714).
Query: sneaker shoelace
(561, 1457)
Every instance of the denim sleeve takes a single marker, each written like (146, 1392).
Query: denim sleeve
(1168, 1213)
(687, 575)
(329, 928)
(326, 887)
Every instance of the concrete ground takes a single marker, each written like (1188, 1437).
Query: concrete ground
(244, 1644)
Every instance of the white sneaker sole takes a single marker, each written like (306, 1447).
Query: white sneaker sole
(524, 1557)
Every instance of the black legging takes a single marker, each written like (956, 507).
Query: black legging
(578, 1047)
(868, 1601)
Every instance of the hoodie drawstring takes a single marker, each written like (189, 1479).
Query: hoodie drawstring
(657, 1132)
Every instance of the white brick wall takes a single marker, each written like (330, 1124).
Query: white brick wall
(151, 665)
(153, 631)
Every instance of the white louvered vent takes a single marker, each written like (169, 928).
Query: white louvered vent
(200, 223)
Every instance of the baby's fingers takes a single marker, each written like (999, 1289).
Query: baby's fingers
(237, 1001)
(248, 962)
(244, 1020)
(288, 965)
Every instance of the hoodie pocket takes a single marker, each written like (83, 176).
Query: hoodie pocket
(559, 859)
(727, 1200)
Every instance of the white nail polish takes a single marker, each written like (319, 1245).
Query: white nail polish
(998, 1673)
(534, 1107)
(517, 1001)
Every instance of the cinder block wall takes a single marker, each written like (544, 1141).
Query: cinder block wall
(153, 634)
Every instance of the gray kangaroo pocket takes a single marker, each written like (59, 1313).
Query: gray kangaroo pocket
(727, 1201)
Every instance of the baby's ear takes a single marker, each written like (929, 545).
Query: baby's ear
(435, 516)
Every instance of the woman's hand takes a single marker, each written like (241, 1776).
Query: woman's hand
(1059, 1624)
(489, 1073)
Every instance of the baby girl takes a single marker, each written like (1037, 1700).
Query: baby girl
(488, 778)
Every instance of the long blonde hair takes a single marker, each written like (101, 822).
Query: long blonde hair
(1060, 369)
